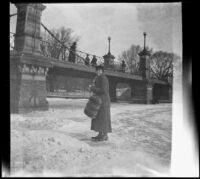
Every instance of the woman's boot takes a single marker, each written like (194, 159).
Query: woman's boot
(103, 137)
(98, 136)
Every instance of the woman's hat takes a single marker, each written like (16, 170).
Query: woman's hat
(99, 67)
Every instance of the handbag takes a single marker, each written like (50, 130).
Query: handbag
(93, 105)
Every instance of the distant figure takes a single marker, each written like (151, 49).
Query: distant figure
(87, 60)
(44, 49)
(72, 53)
(123, 65)
(94, 61)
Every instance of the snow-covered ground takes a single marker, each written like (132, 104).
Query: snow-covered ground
(57, 142)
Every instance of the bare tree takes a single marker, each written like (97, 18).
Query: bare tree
(161, 64)
(53, 48)
(131, 58)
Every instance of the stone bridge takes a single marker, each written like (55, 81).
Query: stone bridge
(29, 68)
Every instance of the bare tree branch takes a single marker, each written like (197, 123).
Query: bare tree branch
(54, 49)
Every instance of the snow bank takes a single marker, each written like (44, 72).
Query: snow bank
(57, 142)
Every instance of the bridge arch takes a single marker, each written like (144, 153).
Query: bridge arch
(123, 91)
(68, 83)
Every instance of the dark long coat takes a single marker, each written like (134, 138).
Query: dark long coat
(102, 122)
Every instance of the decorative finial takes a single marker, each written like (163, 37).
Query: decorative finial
(109, 38)
(144, 40)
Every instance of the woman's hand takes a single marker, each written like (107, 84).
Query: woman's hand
(90, 87)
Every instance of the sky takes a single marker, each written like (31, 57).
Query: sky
(123, 22)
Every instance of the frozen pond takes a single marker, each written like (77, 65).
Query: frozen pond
(57, 142)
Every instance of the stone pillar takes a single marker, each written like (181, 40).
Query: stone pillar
(28, 68)
(112, 90)
(142, 92)
(27, 38)
(170, 93)
(109, 58)
(144, 65)
(108, 61)
(149, 93)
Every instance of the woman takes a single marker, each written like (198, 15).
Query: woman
(102, 122)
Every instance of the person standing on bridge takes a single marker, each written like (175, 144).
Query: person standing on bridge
(123, 65)
(72, 53)
(102, 122)
(87, 60)
(94, 61)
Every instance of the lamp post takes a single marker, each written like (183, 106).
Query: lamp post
(109, 58)
(144, 39)
(109, 38)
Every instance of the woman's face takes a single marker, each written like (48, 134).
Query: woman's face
(99, 72)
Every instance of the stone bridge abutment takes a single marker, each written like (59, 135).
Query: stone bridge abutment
(28, 68)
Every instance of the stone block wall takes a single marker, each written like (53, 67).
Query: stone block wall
(33, 87)
(27, 87)
(15, 81)
(33, 93)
